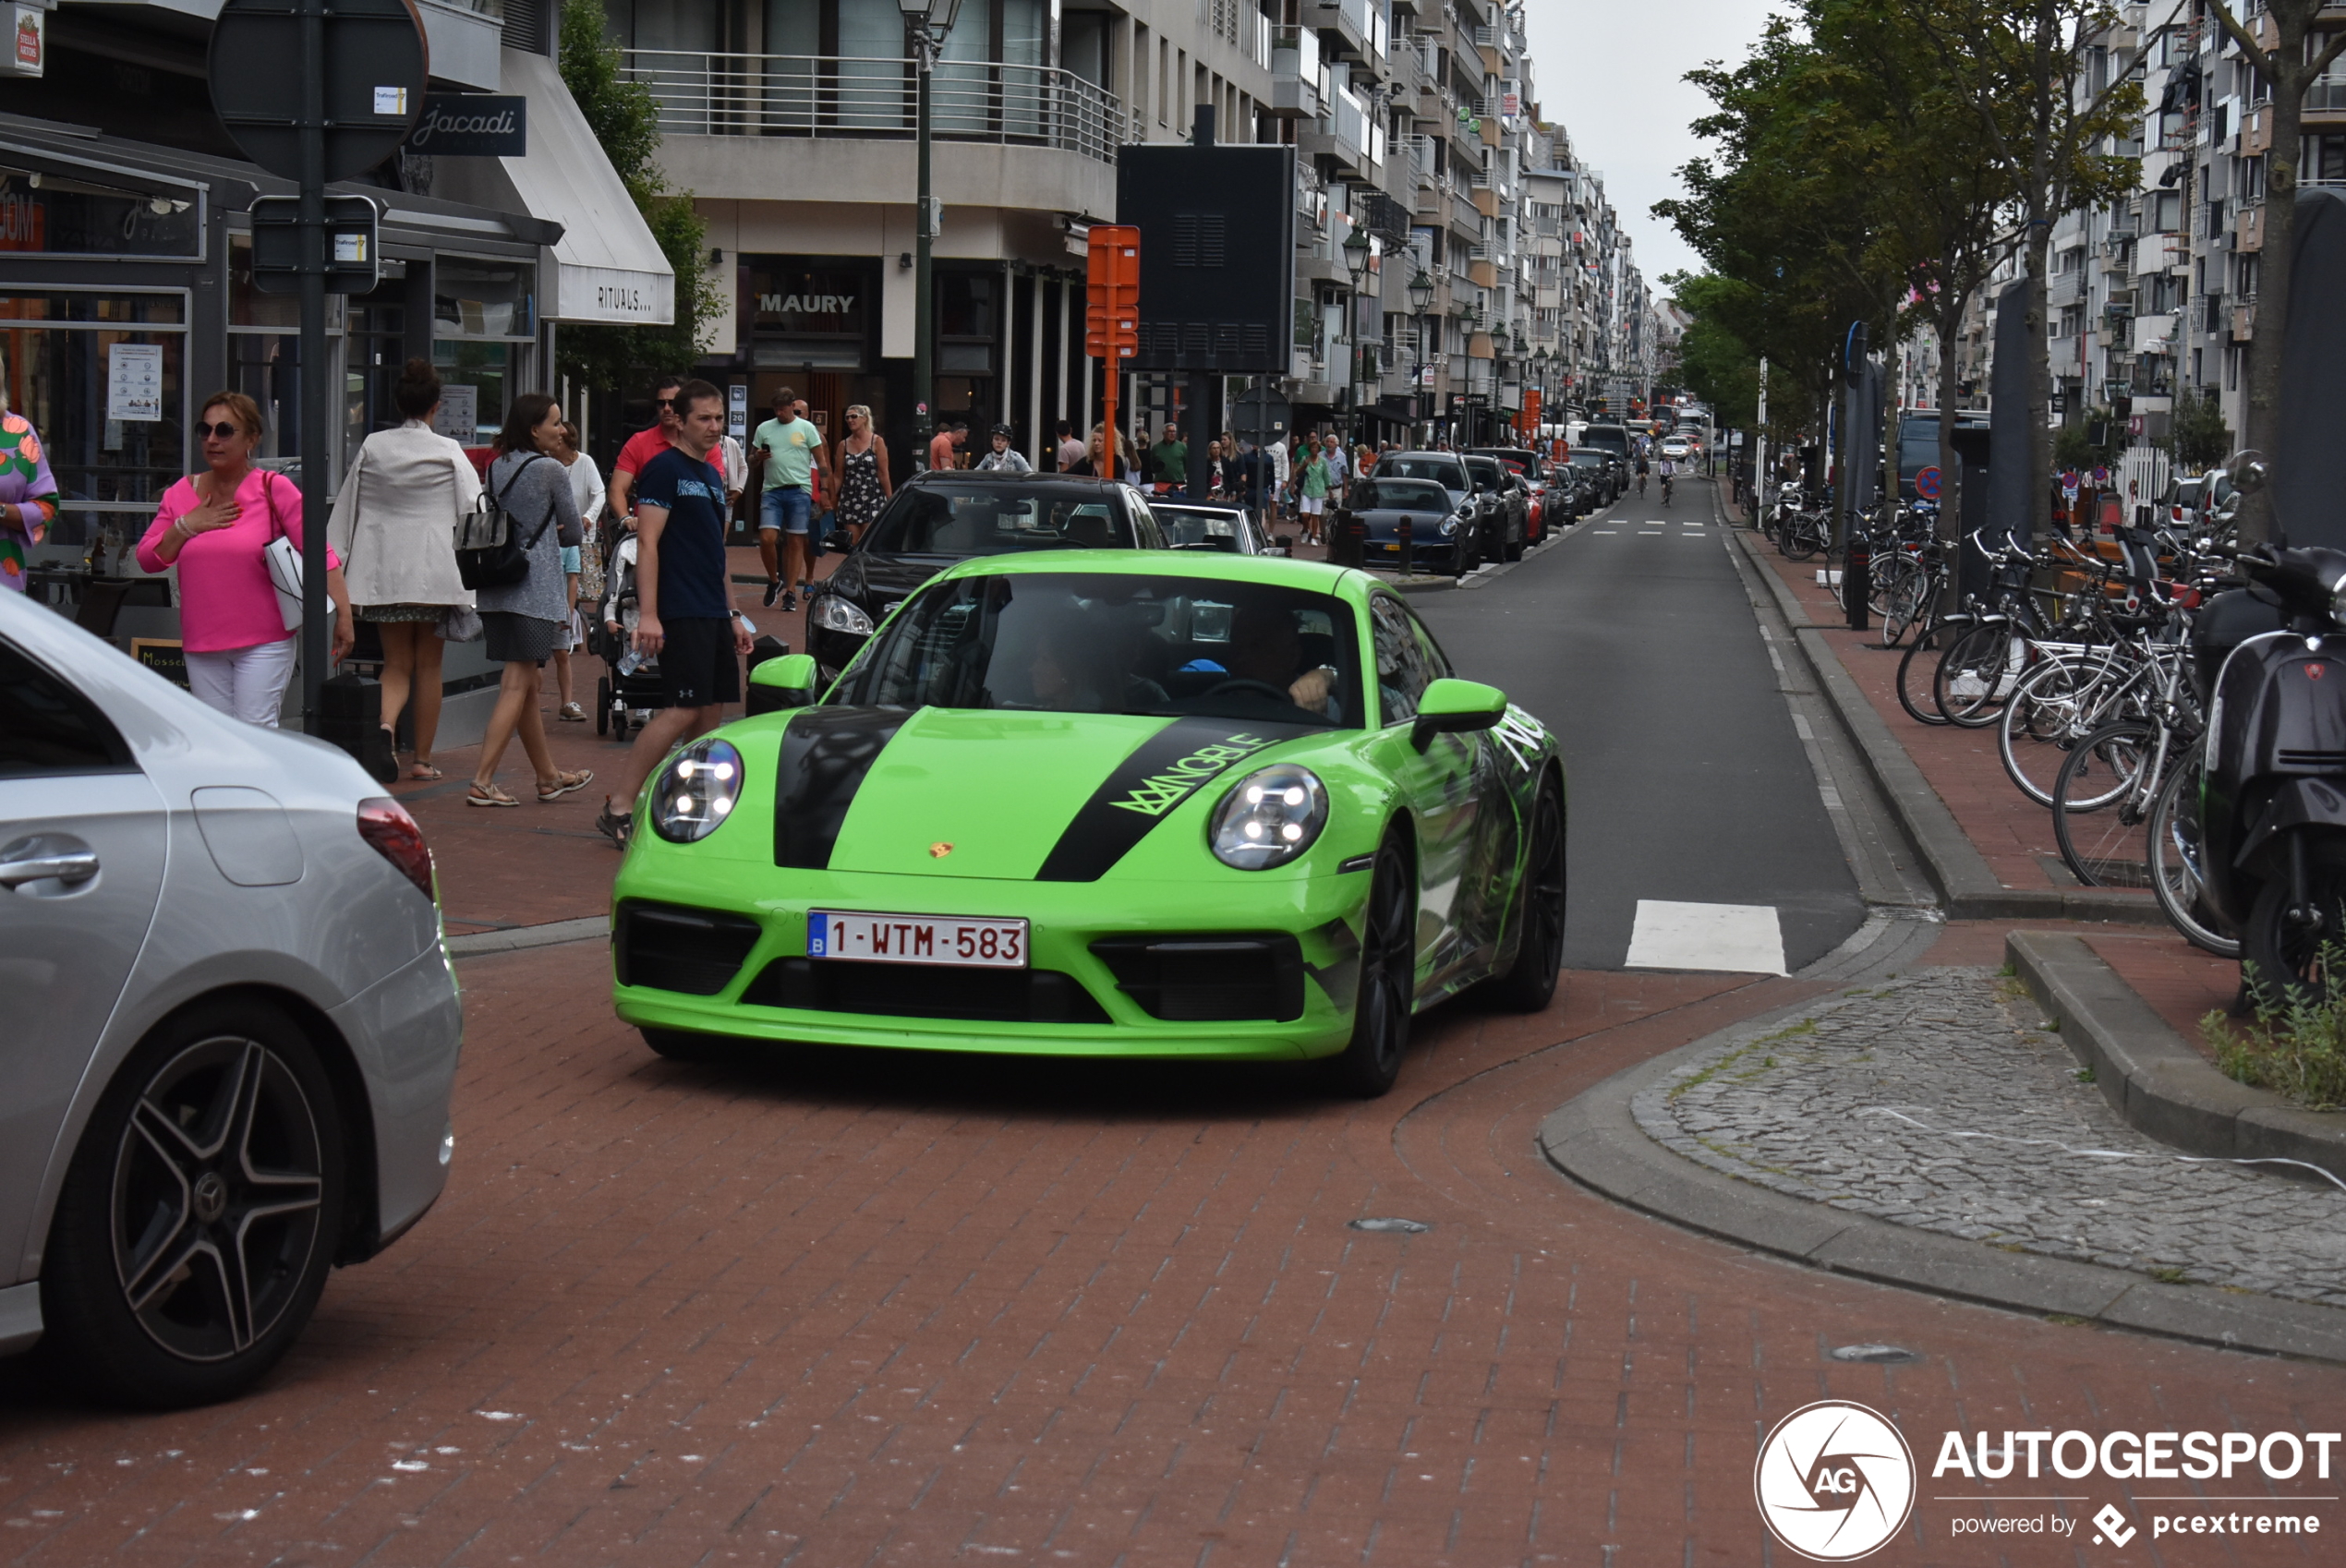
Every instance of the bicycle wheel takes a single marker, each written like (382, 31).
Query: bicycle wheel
(2038, 727)
(1884, 582)
(1976, 678)
(1916, 669)
(2100, 801)
(2173, 863)
(1903, 601)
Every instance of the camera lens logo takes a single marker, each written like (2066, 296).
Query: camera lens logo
(1835, 1481)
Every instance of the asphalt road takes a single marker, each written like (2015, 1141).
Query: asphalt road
(1634, 640)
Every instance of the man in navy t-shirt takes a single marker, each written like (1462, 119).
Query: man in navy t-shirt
(684, 595)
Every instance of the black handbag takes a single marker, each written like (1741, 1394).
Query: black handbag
(488, 551)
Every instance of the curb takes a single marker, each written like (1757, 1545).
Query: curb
(473, 945)
(1966, 886)
(1595, 1142)
(2151, 1076)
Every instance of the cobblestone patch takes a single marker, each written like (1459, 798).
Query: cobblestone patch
(1941, 1102)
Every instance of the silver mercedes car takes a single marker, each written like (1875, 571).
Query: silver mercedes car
(232, 1024)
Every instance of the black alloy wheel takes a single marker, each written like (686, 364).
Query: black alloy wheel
(1368, 1063)
(1530, 984)
(202, 1211)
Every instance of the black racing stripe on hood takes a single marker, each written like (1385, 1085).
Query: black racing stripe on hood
(826, 754)
(1165, 770)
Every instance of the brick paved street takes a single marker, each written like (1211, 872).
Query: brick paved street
(1939, 1101)
(912, 1310)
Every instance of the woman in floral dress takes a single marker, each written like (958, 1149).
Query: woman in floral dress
(864, 483)
(28, 491)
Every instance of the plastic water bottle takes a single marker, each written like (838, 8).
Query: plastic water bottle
(633, 662)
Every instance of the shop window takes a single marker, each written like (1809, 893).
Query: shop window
(483, 299)
(109, 402)
(58, 213)
(476, 382)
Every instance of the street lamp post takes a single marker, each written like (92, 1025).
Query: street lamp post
(1356, 261)
(929, 21)
(1420, 301)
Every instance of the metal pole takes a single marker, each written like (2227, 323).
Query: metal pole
(1760, 452)
(924, 288)
(314, 602)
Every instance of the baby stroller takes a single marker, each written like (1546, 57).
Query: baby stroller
(625, 698)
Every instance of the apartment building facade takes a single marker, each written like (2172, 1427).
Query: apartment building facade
(1416, 132)
(2153, 297)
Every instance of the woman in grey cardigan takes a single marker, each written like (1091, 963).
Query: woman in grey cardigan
(393, 524)
(521, 621)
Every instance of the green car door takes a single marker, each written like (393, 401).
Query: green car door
(1465, 828)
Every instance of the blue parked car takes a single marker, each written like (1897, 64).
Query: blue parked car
(1442, 537)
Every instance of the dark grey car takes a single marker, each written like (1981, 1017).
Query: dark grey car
(1504, 507)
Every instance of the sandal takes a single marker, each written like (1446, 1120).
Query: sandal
(422, 773)
(571, 713)
(564, 783)
(490, 796)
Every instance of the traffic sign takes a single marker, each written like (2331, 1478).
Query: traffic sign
(1112, 303)
(352, 263)
(375, 66)
(317, 90)
(1927, 482)
(1112, 316)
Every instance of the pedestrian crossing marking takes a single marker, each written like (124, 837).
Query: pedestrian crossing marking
(1732, 938)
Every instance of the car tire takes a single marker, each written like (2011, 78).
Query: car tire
(250, 1206)
(1530, 984)
(1460, 562)
(1382, 1003)
(683, 1046)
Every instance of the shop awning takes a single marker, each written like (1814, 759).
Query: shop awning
(608, 267)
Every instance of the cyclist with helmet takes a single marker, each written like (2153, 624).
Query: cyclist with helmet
(1642, 471)
(1668, 470)
(1005, 458)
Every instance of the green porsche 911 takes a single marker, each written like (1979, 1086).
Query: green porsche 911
(1108, 803)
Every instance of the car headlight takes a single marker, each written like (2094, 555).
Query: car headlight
(1269, 817)
(2338, 599)
(1449, 525)
(695, 793)
(833, 613)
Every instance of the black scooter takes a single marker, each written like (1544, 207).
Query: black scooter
(2273, 797)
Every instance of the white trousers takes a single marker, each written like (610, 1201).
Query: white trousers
(247, 683)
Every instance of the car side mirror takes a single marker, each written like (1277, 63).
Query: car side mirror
(1451, 706)
(839, 540)
(780, 684)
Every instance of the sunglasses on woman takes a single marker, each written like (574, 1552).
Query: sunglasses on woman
(227, 430)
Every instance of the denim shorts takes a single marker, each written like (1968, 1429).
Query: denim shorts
(786, 508)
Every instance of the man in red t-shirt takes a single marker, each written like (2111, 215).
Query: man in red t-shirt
(645, 444)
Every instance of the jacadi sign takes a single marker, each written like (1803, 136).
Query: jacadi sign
(471, 124)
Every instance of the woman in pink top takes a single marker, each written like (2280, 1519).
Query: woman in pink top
(214, 527)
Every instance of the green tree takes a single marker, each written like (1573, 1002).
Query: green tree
(2288, 60)
(2197, 438)
(2025, 68)
(625, 120)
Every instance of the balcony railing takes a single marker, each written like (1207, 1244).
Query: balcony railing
(825, 95)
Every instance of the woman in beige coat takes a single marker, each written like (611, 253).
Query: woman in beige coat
(395, 525)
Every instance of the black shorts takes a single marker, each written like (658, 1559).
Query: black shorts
(697, 664)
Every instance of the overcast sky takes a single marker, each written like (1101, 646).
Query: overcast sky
(1611, 74)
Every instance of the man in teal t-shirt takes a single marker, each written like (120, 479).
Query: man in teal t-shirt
(788, 446)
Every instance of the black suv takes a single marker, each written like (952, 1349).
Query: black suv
(939, 517)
